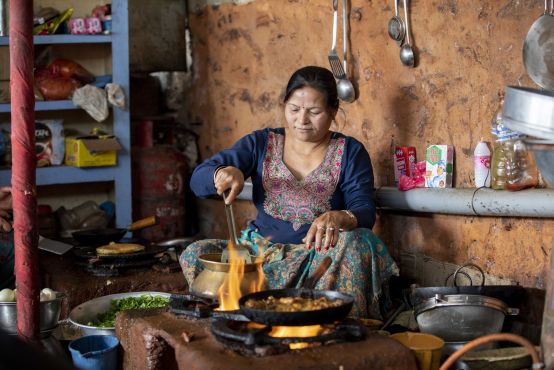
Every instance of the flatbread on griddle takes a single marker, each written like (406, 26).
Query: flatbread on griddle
(119, 248)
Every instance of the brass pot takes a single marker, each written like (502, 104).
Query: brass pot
(215, 272)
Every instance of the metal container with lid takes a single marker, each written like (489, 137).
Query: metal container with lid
(462, 317)
(529, 111)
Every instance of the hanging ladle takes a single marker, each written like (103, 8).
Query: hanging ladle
(396, 27)
(406, 51)
(345, 89)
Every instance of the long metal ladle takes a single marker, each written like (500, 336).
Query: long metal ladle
(406, 51)
(345, 89)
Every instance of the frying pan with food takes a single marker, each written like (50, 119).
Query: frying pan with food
(297, 318)
(97, 237)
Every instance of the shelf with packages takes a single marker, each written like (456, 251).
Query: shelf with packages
(107, 54)
(63, 39)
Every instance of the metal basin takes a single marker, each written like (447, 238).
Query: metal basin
(543, 151)
(49, 315)
(462, 317)
(86, 312)
(529, 111)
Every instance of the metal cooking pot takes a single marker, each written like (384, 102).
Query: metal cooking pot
(462, 317)
(208, 282)
(529, 111)
(511, 295)
(49, 315)
(538, 55)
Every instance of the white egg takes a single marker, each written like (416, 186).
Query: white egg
(7, 295)
(47, 294)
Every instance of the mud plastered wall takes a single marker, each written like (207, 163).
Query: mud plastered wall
(466, 53)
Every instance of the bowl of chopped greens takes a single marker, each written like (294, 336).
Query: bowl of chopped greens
(97, 316)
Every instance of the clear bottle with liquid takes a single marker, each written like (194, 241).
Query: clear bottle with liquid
(512, 166)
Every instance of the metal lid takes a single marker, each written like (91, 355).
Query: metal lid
(440, 300)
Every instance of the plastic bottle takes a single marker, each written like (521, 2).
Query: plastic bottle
(481, 164)
(512, 166)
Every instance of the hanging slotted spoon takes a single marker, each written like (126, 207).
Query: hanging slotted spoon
(334, 61)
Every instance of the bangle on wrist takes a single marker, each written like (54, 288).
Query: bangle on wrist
(352, 216)
(217, 170)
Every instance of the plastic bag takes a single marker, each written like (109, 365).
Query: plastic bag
(93, 100)
(116, 96)
(415, 181)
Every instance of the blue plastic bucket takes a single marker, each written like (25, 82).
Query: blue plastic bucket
(94, 352)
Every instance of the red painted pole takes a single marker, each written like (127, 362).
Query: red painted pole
(24, 167)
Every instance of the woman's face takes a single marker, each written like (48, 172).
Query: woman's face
(307, 115)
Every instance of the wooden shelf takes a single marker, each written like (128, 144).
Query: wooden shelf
(55, 175)
(45, 105)
(64, 39)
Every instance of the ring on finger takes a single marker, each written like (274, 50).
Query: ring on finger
(320, 227)
(331, 228)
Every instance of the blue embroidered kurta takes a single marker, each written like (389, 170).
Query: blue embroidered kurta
(287, 206)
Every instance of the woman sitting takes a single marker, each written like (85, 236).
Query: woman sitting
(313, 190)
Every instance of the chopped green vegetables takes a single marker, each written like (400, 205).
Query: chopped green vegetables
(106, 319)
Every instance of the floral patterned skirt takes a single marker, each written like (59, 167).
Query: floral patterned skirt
(361, 265)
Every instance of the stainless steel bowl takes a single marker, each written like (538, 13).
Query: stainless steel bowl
(543, 150)
(49, 315)
(461, 317)
(86, 312)
(529, 111)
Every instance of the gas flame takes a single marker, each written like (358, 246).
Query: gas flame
(230, 291)
(296, 332)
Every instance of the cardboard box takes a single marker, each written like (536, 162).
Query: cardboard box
(404, 160)
(91, 151)
(439, 166)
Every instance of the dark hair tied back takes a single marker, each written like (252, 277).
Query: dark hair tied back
(318, 78)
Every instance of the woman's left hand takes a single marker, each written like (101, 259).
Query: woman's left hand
(324, 232)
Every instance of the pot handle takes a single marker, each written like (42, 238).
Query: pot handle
(469, 265)
(512, 311)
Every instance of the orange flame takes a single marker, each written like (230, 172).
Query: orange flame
(230, 291)
(296, 332)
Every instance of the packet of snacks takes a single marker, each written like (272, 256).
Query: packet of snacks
(49, 142)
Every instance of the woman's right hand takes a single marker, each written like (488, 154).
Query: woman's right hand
(229, 178)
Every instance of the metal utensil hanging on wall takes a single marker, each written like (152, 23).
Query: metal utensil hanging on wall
(406, 51)
(345, 89)
(538, 49)
(396, 27)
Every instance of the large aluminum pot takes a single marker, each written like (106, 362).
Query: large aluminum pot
(49, 315)
(87, 312)
(208, 282)
(529, 111)
(462, 317)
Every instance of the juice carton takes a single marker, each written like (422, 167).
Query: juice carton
(404, 160)
(439, 163)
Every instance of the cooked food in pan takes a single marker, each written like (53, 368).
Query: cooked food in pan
(119, 248)
(292, 304)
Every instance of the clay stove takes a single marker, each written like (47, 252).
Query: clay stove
(191, 335)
